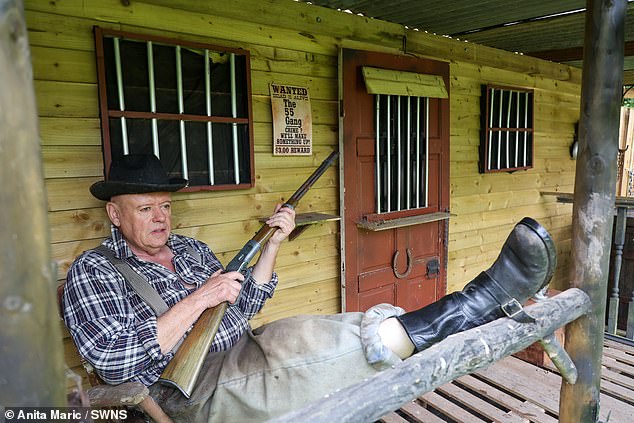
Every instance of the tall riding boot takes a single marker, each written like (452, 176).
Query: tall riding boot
(525, 265)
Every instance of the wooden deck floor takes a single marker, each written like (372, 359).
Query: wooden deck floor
(515, 391)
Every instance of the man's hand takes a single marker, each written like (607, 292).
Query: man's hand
(283, 218)
(220, 287)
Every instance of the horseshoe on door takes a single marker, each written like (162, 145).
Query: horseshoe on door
(409, 264)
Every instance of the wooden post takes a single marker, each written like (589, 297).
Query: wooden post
(594, 196)
(619, 241)
(626, 144)
(31, 352)
(621, 175)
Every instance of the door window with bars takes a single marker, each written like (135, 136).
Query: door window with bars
(402, 144)
(187, 103)
(507, 143)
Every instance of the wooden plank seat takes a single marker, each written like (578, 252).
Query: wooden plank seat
(513, 390)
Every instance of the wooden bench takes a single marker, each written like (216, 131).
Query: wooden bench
(535, 353)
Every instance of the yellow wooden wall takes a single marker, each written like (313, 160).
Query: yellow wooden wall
(297, 44)
(65, 83)
(487, 205)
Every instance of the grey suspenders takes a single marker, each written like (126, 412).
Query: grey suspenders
(139, 283)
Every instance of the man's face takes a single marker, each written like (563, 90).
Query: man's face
(143, 219)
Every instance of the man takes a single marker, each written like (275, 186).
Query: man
(254, 375)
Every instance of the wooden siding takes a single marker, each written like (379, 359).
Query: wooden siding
(297, 44)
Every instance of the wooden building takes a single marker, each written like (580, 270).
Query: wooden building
(333, 265)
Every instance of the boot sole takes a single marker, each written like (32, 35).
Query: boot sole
(549, 244)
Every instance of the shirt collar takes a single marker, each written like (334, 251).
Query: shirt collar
(119, 244)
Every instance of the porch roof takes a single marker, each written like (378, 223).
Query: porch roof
(552, 30)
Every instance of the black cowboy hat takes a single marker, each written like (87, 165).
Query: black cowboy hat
(136, 174)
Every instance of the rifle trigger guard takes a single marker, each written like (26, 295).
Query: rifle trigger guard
(247, 274)
(409, 264)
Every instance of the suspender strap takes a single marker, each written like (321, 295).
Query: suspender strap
(193, 252)
(140, 285)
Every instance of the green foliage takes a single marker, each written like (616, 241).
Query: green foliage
(628, 102)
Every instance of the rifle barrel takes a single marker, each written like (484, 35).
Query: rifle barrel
(302, 190)
(265, 232)
(182, 371)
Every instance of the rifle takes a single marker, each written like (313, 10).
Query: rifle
(182, 371)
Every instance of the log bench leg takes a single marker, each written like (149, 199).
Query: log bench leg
(152, 409)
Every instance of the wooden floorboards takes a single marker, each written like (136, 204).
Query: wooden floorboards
(515, 391)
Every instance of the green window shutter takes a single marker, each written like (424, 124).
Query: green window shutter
(385, 81)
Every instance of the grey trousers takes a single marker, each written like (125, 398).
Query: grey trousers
(283, 366)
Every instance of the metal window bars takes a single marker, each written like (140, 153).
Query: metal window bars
(401, 158)
(181, 108)
(509, 131)
(234, 114)
(210, 144)
(152, 90)
(124, 127)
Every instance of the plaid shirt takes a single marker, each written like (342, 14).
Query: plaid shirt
(116, 331)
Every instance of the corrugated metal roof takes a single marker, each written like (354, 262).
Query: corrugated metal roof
(455, 16)
(526, 26)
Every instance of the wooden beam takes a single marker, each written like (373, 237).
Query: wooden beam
(455, 356)
(628, 77)
(401, 222)
(387, 81)
(124, 394)
(32, 357)
(571, 54)
(594, 200)
(559, 55)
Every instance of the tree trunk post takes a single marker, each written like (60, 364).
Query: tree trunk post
(31, 352)
(594, 196)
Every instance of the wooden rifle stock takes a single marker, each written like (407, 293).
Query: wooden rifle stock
(183, 370)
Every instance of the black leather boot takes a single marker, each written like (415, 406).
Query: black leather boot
(525, 265)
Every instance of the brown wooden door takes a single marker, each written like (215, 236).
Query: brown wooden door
(404, 265)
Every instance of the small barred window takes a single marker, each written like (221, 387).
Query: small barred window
(187, 103)
(507, 143)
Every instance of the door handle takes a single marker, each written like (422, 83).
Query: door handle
(408, 270)
(433, 268)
